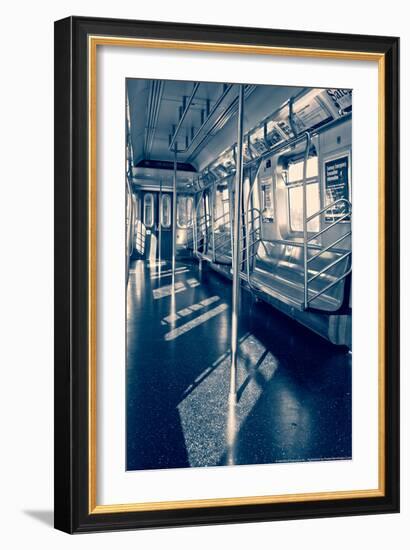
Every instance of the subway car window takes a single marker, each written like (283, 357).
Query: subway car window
(296, 207)
(166, 211)
(149, 210)
(189, 210)
(294, 180)
(221, 205)
(184, 212)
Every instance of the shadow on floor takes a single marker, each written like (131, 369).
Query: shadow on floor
(43, 516)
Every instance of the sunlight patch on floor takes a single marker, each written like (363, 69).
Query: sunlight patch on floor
(167, 290)
(168, 273)
(189, 310)
(201, 319)
(209, 424)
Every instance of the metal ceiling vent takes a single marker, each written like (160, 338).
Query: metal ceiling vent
(154, 102)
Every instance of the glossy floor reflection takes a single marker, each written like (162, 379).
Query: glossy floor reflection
(294, 388)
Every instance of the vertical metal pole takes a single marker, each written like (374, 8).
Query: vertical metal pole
(213, 222)
(236, 248)
(174, 214)
(194, 229)
(305, 231)
(231, 208)
(160, 210)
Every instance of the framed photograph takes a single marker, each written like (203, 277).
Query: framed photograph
(226, 274)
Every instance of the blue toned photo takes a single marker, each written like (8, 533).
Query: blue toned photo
(238, 259)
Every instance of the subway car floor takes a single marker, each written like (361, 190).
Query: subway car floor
(294, 388)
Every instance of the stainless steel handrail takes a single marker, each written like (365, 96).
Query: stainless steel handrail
(305, 232)
(241, 238)
(329, 266)
(219, 236)
(325, 229)
(212, 220)
(222, 236)
(252, 255)
(307, 240)
(224, 225)
(328, 207)
(277, 148)
(195, 224)
(330, 285)
(248, 244)
(225, 236)
(204, 222)
(198, 226)
(248, 199)
(331, 245)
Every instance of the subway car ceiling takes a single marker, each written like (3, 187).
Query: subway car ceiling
(155, 108)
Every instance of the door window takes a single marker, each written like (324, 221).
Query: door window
(149, 210)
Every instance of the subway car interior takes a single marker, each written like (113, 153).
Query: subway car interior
(239, 265)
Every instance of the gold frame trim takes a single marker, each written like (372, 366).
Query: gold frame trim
(93, 42)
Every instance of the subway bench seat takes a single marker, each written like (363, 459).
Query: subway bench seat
(279, 272)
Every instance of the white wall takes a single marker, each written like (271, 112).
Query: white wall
(26, 271)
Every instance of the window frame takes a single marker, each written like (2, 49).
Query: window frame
(298, 186)
(165, 196)
(190, 220)
(152, 210)
(312, 180)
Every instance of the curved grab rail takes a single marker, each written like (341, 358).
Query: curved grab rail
(197, 238)
(195, 224)
(247, 243)
(305, 231)
(248, 199)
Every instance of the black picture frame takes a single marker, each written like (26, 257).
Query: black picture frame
(72, 276)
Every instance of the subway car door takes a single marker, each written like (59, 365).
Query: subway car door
(157, 212)
(149, 218)
(164, 227)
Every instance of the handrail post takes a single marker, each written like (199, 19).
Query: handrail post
(249, 198)
(197, 210)
(160, 212)
(212, 222)
(305, 231)
(194, 231)
(174, 215)
(231, 207)
(236, 251)
(183, 115)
